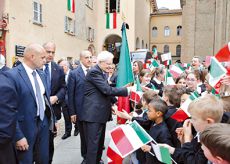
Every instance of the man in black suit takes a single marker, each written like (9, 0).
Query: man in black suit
(8, 119)
(76, 84)
(97, 106)
(55, 79)
(65, 105)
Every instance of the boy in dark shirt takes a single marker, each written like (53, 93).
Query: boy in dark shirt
(158, 131)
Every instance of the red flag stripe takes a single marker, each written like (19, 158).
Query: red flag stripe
(122, 104)
(121, 141)
(179, 115)
(73, 6)
(114, 20)
(116, 158)
(135, 97)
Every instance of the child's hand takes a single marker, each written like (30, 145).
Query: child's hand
(187, 128)
(124, 115)
(180, 134)
(146, 148)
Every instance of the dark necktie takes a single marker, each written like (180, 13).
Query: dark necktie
(38, 96)
(47, 73)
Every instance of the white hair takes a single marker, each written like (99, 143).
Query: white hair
(104, 56)
(2, 60)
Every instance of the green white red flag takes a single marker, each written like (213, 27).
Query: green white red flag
(162, 153)
(223, 56)
(182, 113)
(71, 5)
(166, 58)
(136, 92)
(154, 64)
(168, 78)
(111, 20)
(176, 70)
(125, 74)
(128, 138)
(217, 72)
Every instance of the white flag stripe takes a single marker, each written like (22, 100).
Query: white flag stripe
(157, 152)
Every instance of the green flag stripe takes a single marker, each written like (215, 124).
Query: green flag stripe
(69, 5)
(215, 69)
(141, 133)
(194, 95)
(165, 156)
(107, 20)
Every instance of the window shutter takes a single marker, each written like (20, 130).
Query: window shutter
(66, 24)
(40, 14)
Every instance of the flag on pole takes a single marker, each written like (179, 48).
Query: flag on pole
(217, 72)
(111, 20)
(128, 138)
(166, 58)
(155, 54)
(71, 5)
(168, 78)
(162, 153)
(136, 93)
(154, 64)
(182, 113)
(176, 70)
(125, 74)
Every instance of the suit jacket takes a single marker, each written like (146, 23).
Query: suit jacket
(8, 118)
(27, 106)
(58, 87)
(97, 96)
(4, 68)
(76, 85)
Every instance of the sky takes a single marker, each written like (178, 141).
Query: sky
(171, 4)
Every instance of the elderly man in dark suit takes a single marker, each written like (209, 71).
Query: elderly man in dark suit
(55, 79)
(76, 85)
(8, 119)
(34, 113)
(97, 106)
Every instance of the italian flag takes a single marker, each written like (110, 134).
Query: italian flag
(113, 155)
(128, 138)
(154, 64)
(111, 20)
(166, 58)
(136, 92)
(182, 113)
(169, 79)
(71, 5)
(155, 55)
(176, 70)
(224, 55)
(162, 153)
(217, 72)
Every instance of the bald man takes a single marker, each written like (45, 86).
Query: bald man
(35, 116)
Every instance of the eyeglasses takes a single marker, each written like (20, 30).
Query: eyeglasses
(188, 79)
(50, 52)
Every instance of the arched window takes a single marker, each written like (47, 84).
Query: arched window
(166, 48)
(154, 32)
(142, 44)
(179, 30)
(167, 31)
(178, 50)
(112, 6)
(137, 43)
(146, 46)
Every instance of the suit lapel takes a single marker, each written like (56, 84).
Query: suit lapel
(81, 72)
(25, 77)
(53, 72)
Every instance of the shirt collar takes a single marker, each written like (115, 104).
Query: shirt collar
(27, 68)
(157, 81)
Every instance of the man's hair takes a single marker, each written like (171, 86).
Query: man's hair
(49, 43)
(208, 106)
(148, 96)
(84, 53)
(217, 139)
(197, 57)
(159, 105)
(104, 55)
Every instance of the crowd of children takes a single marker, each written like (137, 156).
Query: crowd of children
(199, 139)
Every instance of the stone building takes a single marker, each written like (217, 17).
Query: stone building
(206, 27)
(166, 31)
(39, 21)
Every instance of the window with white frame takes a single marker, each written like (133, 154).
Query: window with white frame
(89, 3)
(37, 9)
(167, 30)
(90, 34)
(69, 25)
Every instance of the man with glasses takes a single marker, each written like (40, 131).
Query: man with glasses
(55, 79)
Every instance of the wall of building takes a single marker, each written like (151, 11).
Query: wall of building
(160, 21)
(23, 31)
(142, 17)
